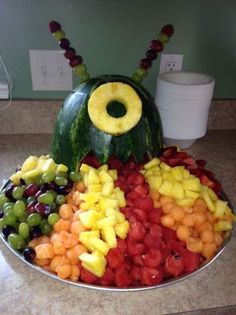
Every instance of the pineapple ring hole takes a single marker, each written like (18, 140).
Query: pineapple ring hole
(116, 109)
(117, 92)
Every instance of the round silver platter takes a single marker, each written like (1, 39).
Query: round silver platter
(130, 289)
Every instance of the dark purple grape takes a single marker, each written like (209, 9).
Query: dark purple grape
(43, 210)
(151, 54)
(44, 187)
(156, 45)
(9, 190)
(1, 214)
(7, 230)
(145, 63)
(29, 254)
(69, 53)
(54, 26)
(31, 190)
(35, 232)
(31, 207)
(53, 186)
(64, 43)
(77, 60)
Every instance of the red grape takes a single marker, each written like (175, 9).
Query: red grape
(145, 63)
(168, 30)
(151, 54)
(156, 45)
(70, 53)
(54, 26)
(77, 60)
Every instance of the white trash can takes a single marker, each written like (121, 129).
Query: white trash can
(183, 100)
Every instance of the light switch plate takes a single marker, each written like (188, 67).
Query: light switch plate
(50, 71)
(171, 62)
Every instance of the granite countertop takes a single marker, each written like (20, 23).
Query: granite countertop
(25, 291)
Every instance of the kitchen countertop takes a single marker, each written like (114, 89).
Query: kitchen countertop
(25, 291)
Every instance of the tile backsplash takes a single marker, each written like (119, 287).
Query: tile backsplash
(39, 116)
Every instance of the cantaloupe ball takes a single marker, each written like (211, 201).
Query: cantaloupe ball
(177, 213)
(167, 221)
(207, 236)
(209, 250)
(182, 232)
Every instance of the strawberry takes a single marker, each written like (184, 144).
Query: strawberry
(115, 258)
(152, 258)
(123, 277)
(115, 163)
(168, 234)
(151, 276)
(154, 216)
(137, 260)
(174, 161)
(132, 195)
(151, 241)
(91, 160)
(139, 214)
(191, 261)
(177, 247)
(136, 273)
(156, 230)
(136, 231)
(201, 163)
(142, 190)
(169, 152)
(189, 162)
(121, 244)
(87, 277)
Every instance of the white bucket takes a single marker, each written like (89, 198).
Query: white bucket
(183, 100)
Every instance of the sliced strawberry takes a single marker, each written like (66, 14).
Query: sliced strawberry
(115, 163)
(196, 171)
(108, 278)
(145, 203)
(123, 277)
(168, 234)
(152, 258)
(135, 248)
(189, 161)
(115, 258)
(177, 247)
(139, 214)
(142, 190)
(87, 277)
(165, 252)
(169, 152)
(122, 245)
(173, 161)
(135, 179)
(133, 195)
(191, 261)
(136, 231)
(201, 163)
(130, 202)
(137, 260)
(209, 174)
(91, 160)
(174, 265)
(151, 276)
(181, 155)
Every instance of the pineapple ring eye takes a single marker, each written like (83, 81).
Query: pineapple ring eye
(108, 93)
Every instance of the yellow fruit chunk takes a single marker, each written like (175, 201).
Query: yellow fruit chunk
(105, 203)
(84, 238)
(178, 191)
(192, 194)
(208, 200)
(105, 176)
(120, 196)
(84, 168)
(192, 184)
(94, 188)
(89, 218)
(94, 263)
(107, 221)
(109, 236)
(154, 182)
(100, 245)
(61, 168)
(120, 217)
(107, 188)
(103, 167)
(90, 198)
(31, 174)
(122, 229)
(152, 163)
(166, 188)
(29, 164)
(222, 226)
(178, 173)
(185, 202)
(220, 208)
(15, 178)
(165, 167)
(113, 174)
(49, 166)
(93, 177)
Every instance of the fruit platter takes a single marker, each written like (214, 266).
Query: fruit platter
(110, 207)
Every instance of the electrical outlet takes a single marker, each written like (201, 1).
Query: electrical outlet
(171, 62)
(50, 71)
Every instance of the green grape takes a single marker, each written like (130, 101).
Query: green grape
(48, 177)
(45, 227)
(60, 199)
(10, 219)
(75, 176)
(3, 200)
(16, 241)
(19, 208)
(54, 193)
(29, 181)
(58, 35)
(33, 219)
(142, 73)
(62, 174)
(38, 180)
(24, 230)
(53, 218)
(18, 192)
(23, 217)
(78, 70)
(47, 198)
(8, 208)
(163, 38)
(2, 223)
(61, 181)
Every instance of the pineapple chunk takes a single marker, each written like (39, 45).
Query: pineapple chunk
(105, 176)
(85, 168)
(178, 191)
(109, 236)
(222, 226)
(166, 188)
(120, 196)
(220, 208)
(105, 203)
(93, 177)
(212, 194)
(120, 217)
(31, 174)
(192, 194)
(165, 167)
(107, 221)
(49, 166)
(152, 163)
(29, 164)
(84, 238)
(100, 245)
(103, 167)
(178, 173)
(154, 182)
(94, 263)
(113, 174)
(84, 206)
(90, 198)
(186, 173)
(122, 229)
(107, 188)
(61, 168)
(89, 218)
(192, 184)
(15, 178)
(94, 188)
(185, 202)
(208, 200)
